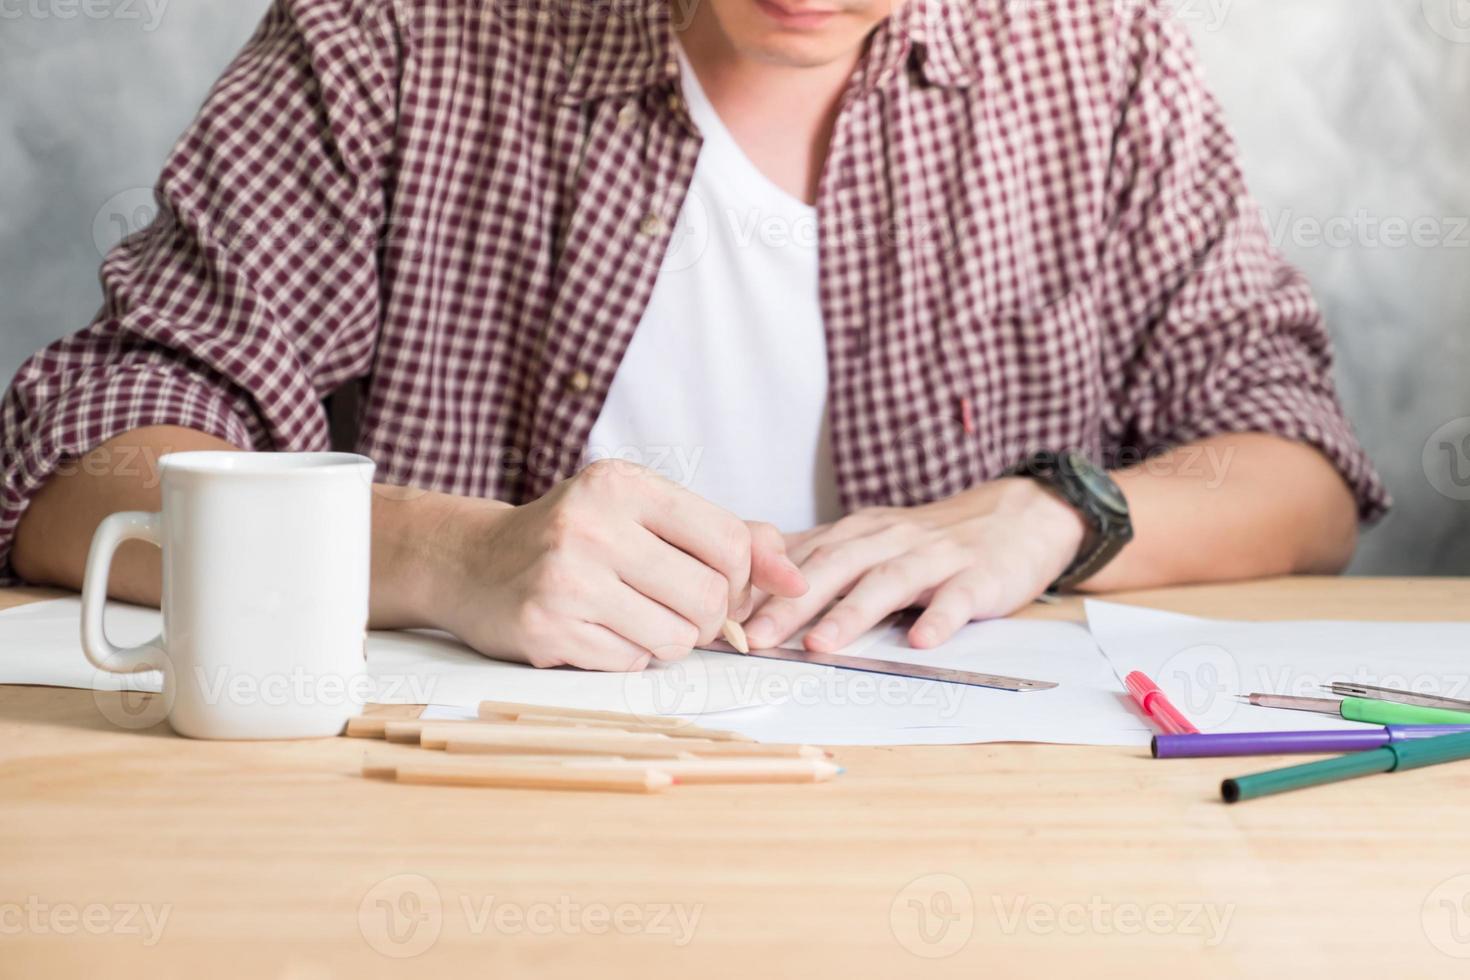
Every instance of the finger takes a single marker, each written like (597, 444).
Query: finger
(676, 580)
(596, 647)
(886, 588)
(799, 547)
(771, 571)
(648, 625)
(711, 534)
(981, 593)
(752, 603)
(800, 550)
(829, 572)
(776, 572)
(796, 542)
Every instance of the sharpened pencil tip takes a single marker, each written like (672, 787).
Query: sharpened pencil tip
(735, 635)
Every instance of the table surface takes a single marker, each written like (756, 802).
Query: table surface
(124, 853)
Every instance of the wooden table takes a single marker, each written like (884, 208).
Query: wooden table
(279, 860)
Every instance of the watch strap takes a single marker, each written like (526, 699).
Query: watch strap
(1091, 562)
(1107, 535)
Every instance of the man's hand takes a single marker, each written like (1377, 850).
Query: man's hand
(611, 569)
(978, 555)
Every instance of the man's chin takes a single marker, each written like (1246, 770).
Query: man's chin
(786, 51)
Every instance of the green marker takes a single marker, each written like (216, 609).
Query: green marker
(1390, 713)
(1370, 710)
(1391, 758)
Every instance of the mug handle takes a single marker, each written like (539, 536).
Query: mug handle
(113, 531)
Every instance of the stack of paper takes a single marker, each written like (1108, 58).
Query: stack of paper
(1204, 665)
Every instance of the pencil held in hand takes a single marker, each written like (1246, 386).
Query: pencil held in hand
(734, 635)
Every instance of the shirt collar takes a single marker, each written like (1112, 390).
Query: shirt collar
(939, 37)
(626, 47)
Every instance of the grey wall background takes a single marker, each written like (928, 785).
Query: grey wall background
(1353, 116)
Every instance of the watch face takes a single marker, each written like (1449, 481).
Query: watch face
(1098, 484)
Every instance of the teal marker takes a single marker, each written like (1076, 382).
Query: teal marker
(1393, 757)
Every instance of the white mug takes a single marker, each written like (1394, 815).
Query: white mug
(265, 592)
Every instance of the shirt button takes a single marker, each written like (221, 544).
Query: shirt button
(675, 102)
(652, 226)
(579, 382)
(627, 116)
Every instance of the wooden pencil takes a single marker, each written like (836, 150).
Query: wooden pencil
(366, 726)
(683, 771)
(386, 766)
(741, 771)
(500, 710)
(408, 730)
(640, 747)
(674, 731)
(746, 750)
(546, 715)
(734, 635)
(411, 732)
(573, 741)
(519, 775)
(434, 735)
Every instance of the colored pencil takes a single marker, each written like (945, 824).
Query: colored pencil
(522, 776)
(578, 741)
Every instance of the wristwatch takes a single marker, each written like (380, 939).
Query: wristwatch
(1089, 489)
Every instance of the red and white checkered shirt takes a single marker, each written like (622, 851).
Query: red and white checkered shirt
(1032, 225)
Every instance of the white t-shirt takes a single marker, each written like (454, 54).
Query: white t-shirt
(724, 386)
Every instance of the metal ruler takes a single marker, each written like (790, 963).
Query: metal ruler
(948, 675)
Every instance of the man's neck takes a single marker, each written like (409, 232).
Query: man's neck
(782, 116)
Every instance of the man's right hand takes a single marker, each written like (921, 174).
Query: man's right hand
(613, 568)
(609, 570)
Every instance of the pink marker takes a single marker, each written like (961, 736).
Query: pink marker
(1157, 707)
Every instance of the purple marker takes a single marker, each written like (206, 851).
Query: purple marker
(1291, 743)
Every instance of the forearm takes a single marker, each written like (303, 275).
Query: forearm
(56, 532)
(415, 533)
(1232, 507)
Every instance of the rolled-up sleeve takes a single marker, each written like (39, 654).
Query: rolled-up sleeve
(253, 294)
(1232, 339)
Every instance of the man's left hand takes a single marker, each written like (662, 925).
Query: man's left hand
(981, 554)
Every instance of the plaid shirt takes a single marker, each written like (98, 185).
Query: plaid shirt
(1032, 225)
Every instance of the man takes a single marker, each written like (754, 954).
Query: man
(938, 265)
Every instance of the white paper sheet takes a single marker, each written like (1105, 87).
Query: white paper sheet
(1203, 664)
(768, 700)
(801, 703)
(40, 643)
(789, 702)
